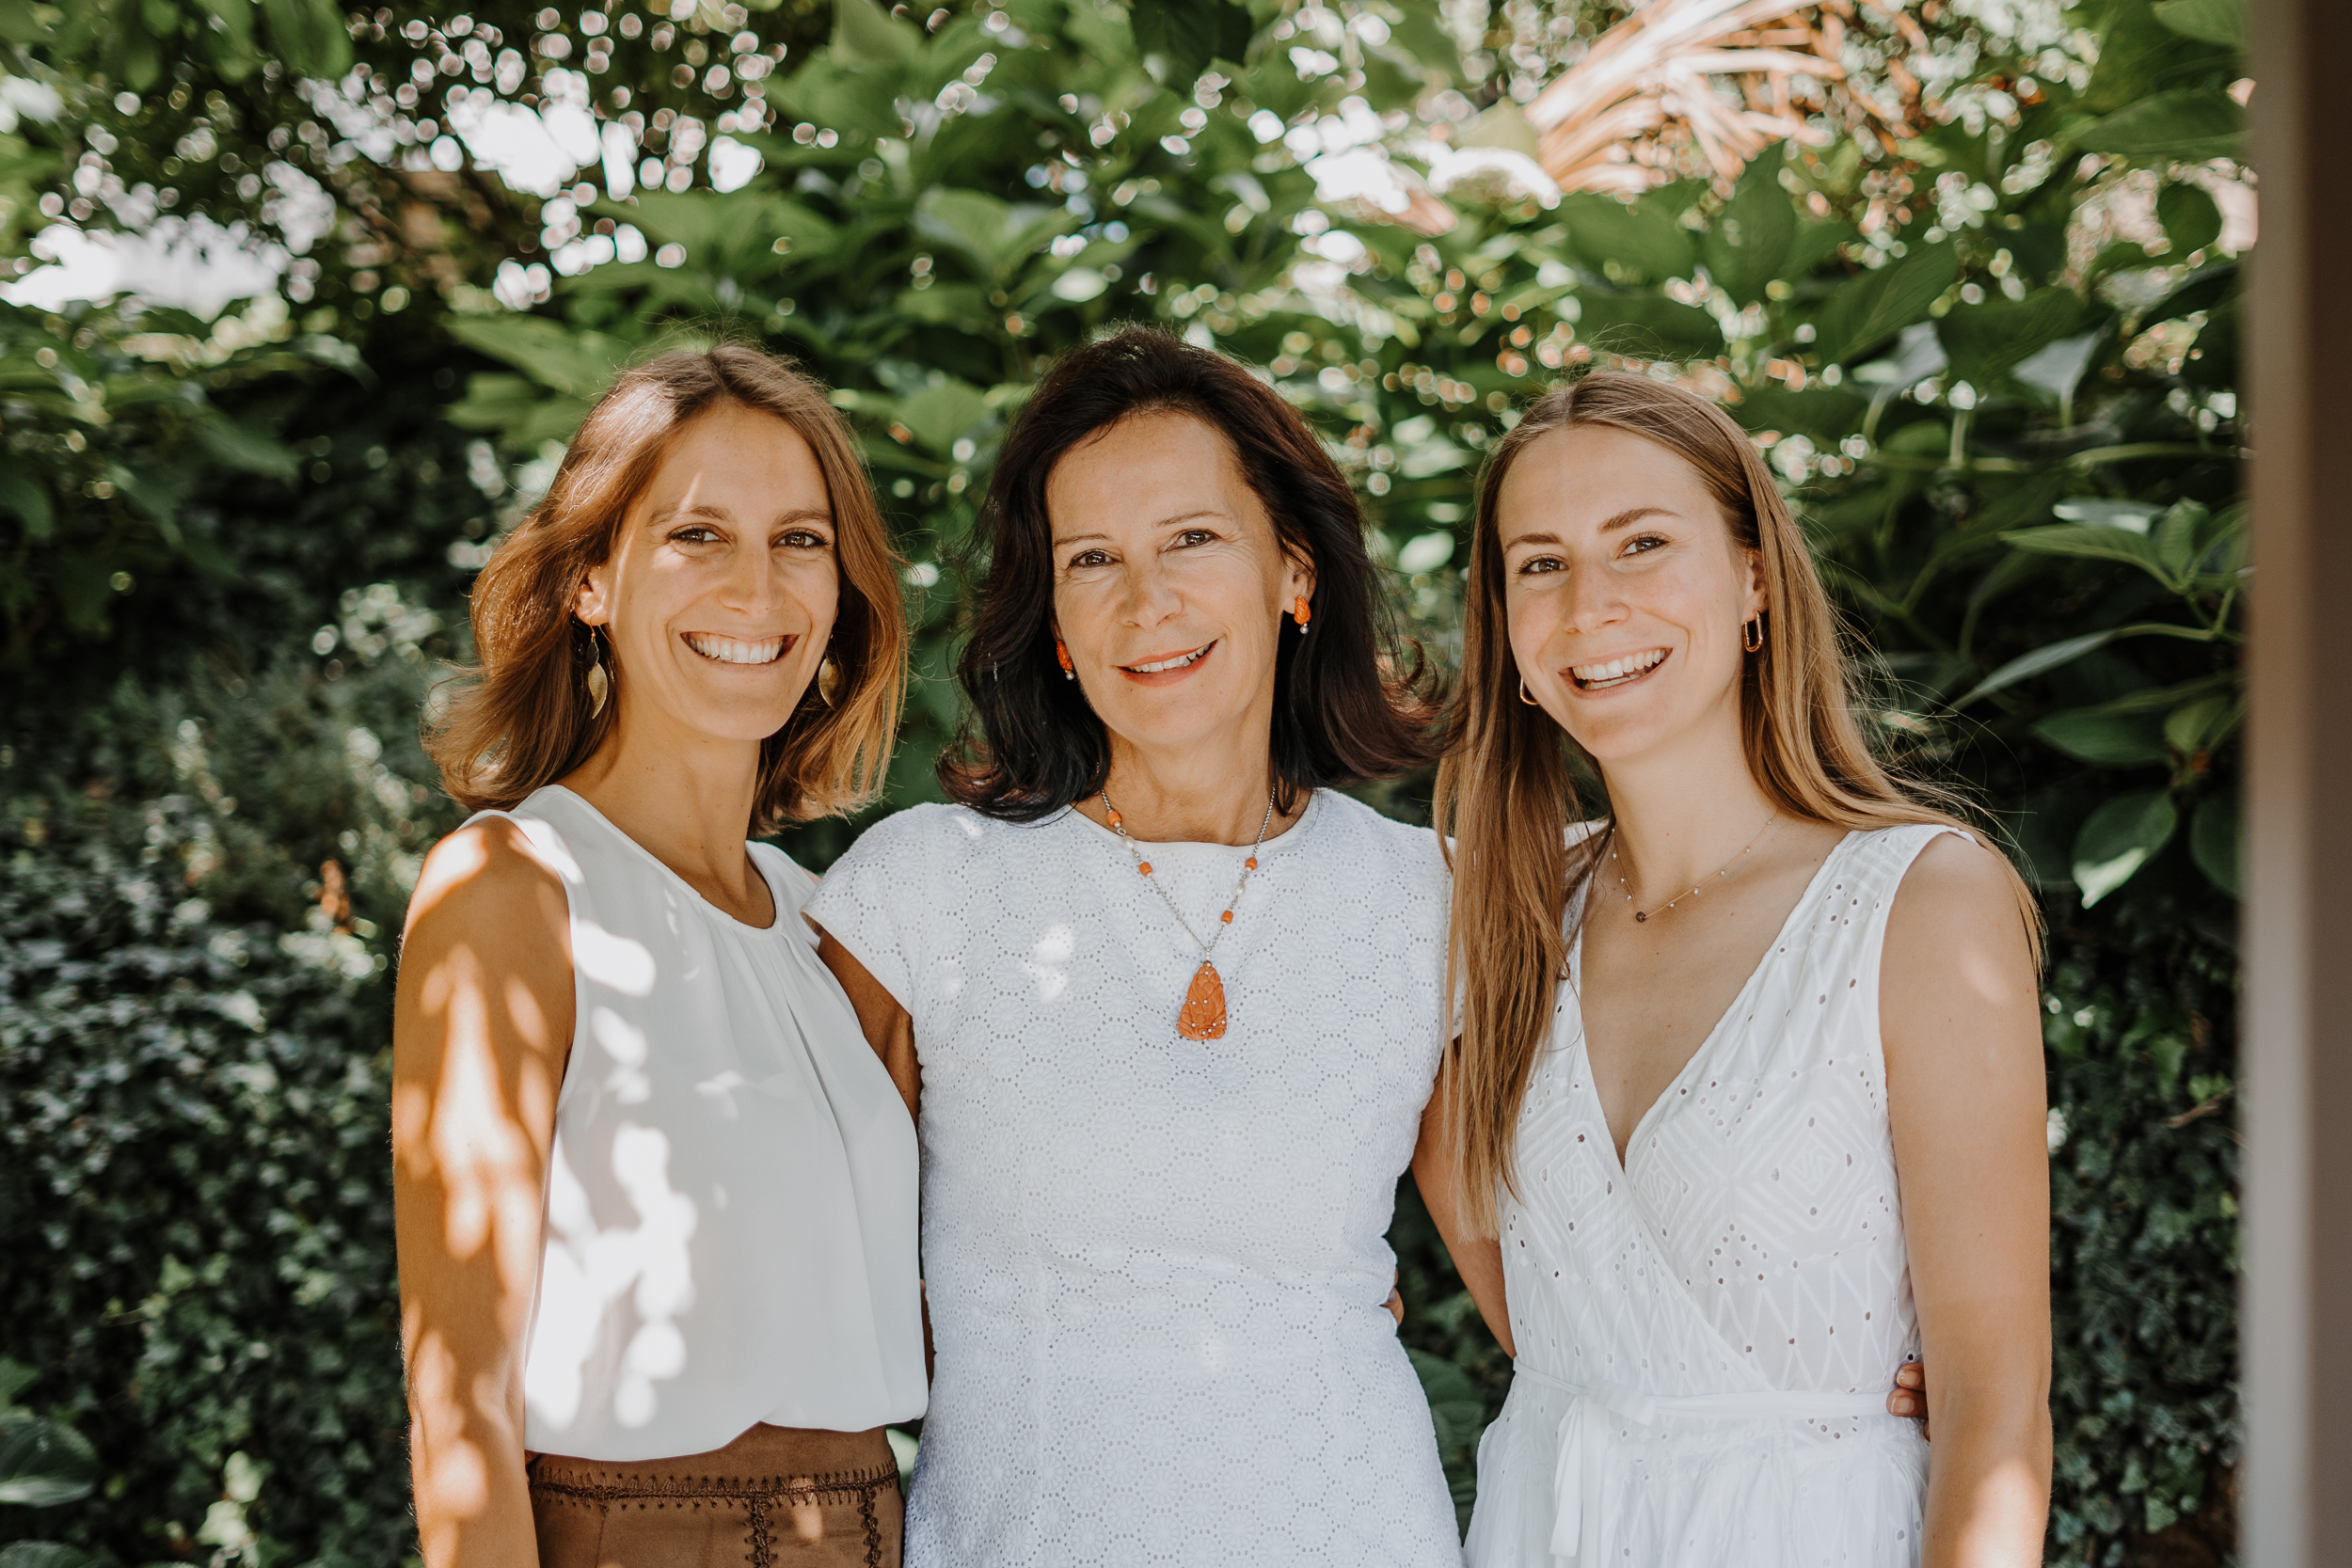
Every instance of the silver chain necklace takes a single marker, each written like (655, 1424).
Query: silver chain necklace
(1643, 915)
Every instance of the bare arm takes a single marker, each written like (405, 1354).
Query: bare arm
(886, 1026)
(482, 1025)
(1958, 1012)
(1477, 1259)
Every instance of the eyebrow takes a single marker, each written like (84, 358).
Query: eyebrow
(1062, 539)
(1631, 514)
(720, 514)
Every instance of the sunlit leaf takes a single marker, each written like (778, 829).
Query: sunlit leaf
(1645, 240)
(43, 1464)
(556, 356)
(943, 411)
(309, 36)
(864, 34)
(2119, 838)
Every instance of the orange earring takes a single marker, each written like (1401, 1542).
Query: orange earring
(1301, 613)
(1062, 652)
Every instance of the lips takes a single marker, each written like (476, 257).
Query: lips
(1601, 674)
(739, 650)
(1167, 662)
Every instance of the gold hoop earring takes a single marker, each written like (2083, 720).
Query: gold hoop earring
(1524, 697)
(1751, 633)
(600, 683)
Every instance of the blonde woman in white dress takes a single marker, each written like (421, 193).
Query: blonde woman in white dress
(1747, 1109)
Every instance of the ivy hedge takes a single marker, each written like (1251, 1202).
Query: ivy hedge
(1982, 319)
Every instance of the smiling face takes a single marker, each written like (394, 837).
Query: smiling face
(719, 593)
(1625, 588)
(1170, 584)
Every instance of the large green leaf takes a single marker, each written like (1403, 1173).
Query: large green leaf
(1181, 36)
(2217, 841)
(249, 451)
(579, 363)
(45, 1553)
(2190, 219)
(1747, 247)
(941, 412)
(2119, 838)
(1984, 341)
(1645, 240)
(2105, 739)
(43, 1464)
(2040, 662)
(2094, 542)
(2221, 22)
(1649, 325)
(997, 235)
(22, 494)
(864, 34)
(2185, 125)
(1871, 308)
(309, 36)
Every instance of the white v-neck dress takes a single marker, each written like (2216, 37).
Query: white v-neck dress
(1708, 1335)
(1156, 1265)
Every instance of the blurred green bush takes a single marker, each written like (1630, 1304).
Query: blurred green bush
(1993, 358)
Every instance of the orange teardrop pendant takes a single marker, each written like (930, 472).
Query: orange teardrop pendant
(1203, 1016)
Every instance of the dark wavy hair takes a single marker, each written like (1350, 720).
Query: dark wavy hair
(1348, 708)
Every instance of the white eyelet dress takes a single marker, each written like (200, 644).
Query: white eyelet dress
(1156, 1265)
(1707, 1337)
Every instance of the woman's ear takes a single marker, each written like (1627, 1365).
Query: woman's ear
(1757, 600)
(592, 605)
(1300, 583)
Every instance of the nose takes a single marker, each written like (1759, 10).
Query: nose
(1594, 601)
(755, 583)
(1149, 597)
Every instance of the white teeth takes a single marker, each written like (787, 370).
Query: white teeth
(1617, 669)
(1176, 663)
(729, 650)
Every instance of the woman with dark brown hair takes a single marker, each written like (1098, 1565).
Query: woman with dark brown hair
(655, 1195)
(1701, 1041)
(1177, 1002)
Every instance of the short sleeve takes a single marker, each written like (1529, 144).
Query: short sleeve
(873, 900)
(791, 884)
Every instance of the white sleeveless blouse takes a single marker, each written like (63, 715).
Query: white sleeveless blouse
(730, 1226)
(1707, 1334)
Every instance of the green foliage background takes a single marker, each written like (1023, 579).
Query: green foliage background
(1995, 365)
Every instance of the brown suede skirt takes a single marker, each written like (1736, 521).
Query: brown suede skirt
(775, 1495)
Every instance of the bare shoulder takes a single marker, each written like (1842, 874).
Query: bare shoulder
(1955, 889)
(485, 880)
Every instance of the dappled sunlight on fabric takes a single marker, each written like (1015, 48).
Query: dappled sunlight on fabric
(645, 1270)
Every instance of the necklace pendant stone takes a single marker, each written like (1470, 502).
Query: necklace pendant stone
(1203, 1016)
(1640, 917)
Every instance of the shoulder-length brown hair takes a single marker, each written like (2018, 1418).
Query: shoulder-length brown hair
(1346, 710)
(1506, 796)
(523, 720)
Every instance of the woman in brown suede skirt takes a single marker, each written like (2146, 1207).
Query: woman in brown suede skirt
(655, 1193)
(777, 1495)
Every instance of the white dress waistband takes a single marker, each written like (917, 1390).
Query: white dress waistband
(1586, 1432)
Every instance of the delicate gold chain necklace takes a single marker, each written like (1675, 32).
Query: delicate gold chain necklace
(1643, 915)
(1203, 1016)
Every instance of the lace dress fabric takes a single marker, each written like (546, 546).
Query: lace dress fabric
(1155, 1266)
(1706, 1335)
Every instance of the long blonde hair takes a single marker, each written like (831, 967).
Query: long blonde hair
(1507, 797)
(523, 719)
